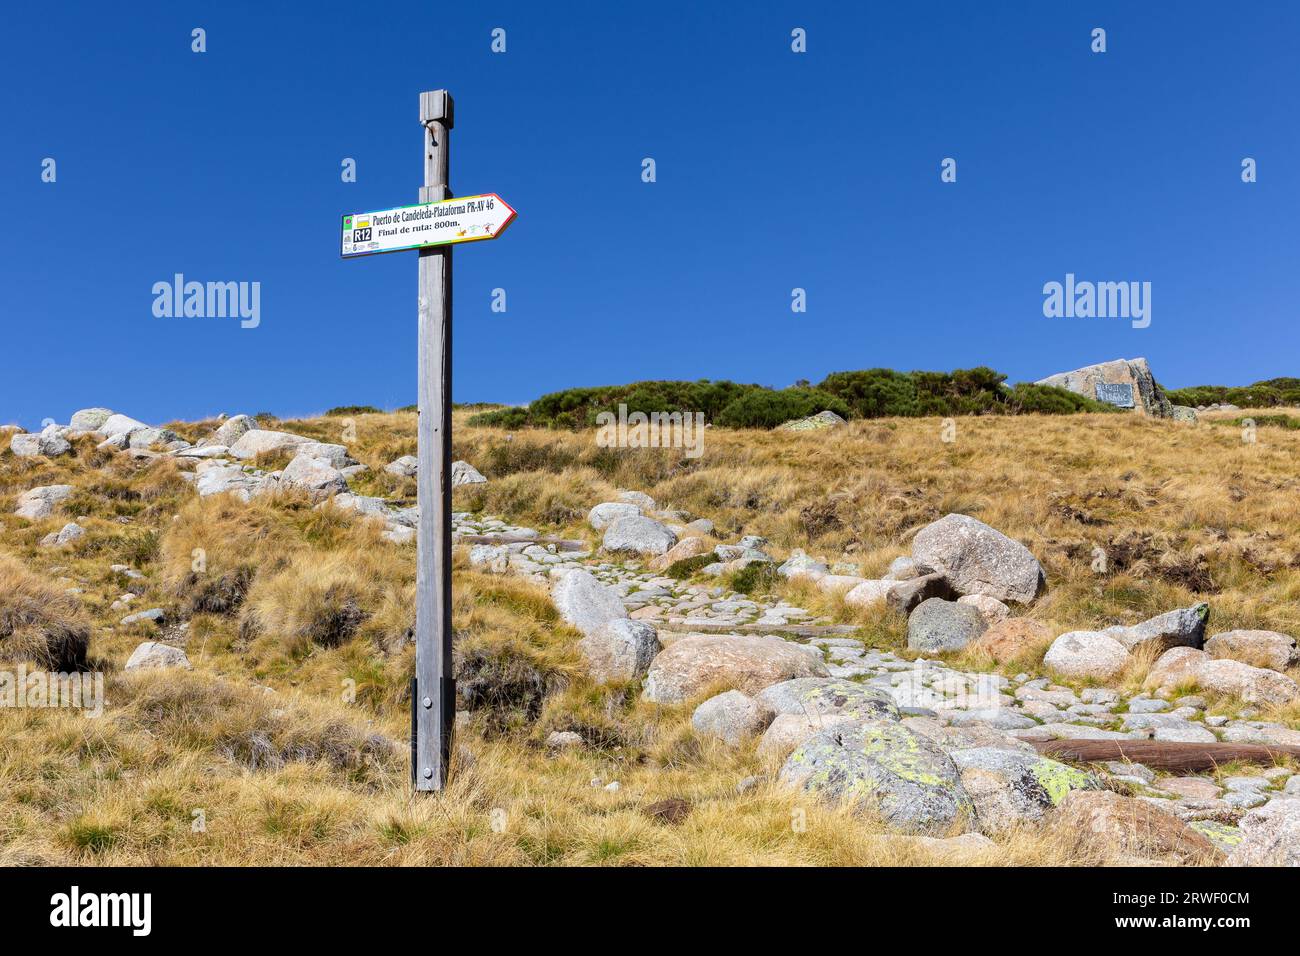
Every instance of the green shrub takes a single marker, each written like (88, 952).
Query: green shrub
(767, 409)
(874, 393)
(354, 410)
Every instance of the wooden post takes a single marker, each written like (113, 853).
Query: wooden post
(435, 690)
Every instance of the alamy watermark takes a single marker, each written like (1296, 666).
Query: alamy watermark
(1101, 300)
(210, 300)
(46, 689)
(653, 430)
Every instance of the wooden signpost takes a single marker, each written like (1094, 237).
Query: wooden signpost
(432, 227)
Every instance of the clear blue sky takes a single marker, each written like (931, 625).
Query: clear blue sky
(775, 170)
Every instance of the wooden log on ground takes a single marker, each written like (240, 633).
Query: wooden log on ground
(1164, 754)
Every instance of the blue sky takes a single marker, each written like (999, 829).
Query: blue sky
(775, 170)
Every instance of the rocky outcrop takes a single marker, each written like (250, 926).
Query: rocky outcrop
(1137, 388)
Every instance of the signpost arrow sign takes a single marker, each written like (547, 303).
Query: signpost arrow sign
(431, 226)
(463, 219)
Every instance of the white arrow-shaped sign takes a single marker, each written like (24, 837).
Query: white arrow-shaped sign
(463, 219)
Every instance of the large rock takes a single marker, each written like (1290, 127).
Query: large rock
(788, 731)
(639, 535)
(404, 467)
(151, 655)
(1178, 665)
(937, 626)
(823, 696)
(314, 475)
(40, 502)
(799, 565)
(585, 603)
(48, 443)
(607, 512)
(233, 429)
(1184, 627)
(826, 419)
(119, 425)
(1254, 685)
(1146, 397)
(870, 593)
(977, 559)
(903, 597)
(621, 650)
(260, 441)
(1009, 788)
(89, 419)
(991, 609)
(1083, 654)
(221, 479)
(1270, 835)
(1258, 648)
(463, 473)
(66, 535)
(1136, 829)
(882, 766)
(692, 664)
(1009, 639)
(731, 717)
(683, 549)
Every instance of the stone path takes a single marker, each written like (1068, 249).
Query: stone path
(1023, 707)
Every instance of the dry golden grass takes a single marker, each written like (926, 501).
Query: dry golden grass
(289, 733)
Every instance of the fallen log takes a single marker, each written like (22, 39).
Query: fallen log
(1164, 754)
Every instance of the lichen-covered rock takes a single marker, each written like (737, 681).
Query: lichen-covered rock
(89, 419)
(1010, 788)
(621, 650)
(938, 626)
(692, 664)
(882, 767)
(732, 717)
(1082, 654)
(584, 602)
(788, 731)
(821, 696)
(1007, 640)
(978, 559)
(1269, 649)
(1270, 836)
(639, 535)
(1184, 627)
(1136, 829)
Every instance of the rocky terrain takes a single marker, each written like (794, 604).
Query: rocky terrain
(908, 684)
